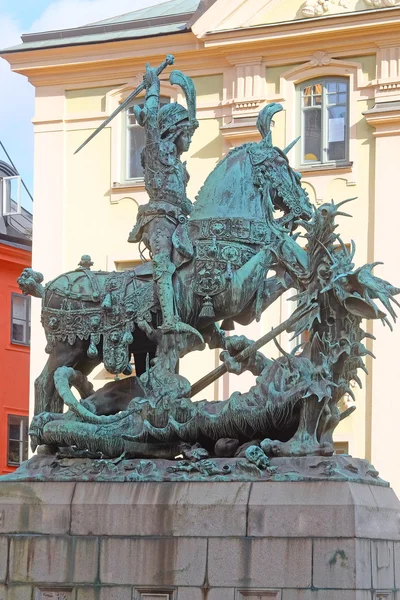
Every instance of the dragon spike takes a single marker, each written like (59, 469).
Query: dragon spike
(340, 213)
(281, 350)
(291, 145)
(358, 381)
(344, 202)
(342, 244)
(369, 336)
(350, 392)
(326, 250)
(353, 249)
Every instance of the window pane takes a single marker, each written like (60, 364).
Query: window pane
(337, 132)
(317, 89)
(307, 91)
(14, 431)
(317, 100)
(331, 86)
(342, 98)
(137, 140)
(307, 101)
(19, 307)
(342, 87)
(332, 98)
(312, 135)
(18, 332)
(25, 451)
(20, 319)
(13, 452)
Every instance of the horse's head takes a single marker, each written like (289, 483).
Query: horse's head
(281, 185)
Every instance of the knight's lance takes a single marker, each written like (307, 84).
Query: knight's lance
(244, 354)
(169, 60)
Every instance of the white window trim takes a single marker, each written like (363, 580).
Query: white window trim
(322, 163)
(359, 89)
(4, 195)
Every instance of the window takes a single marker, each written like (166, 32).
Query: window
(341, 447)
(20, 319)
(10, 193)
(135, 142)
(324, 121)
(17, 440)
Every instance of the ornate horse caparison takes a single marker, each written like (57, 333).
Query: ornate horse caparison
(94, 316)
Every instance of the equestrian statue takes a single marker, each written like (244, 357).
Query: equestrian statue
(250, 235)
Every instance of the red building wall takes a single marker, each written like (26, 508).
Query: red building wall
(14, 358)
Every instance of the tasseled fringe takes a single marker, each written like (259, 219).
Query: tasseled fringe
(207, 310)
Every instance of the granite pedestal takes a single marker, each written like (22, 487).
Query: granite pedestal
(289, 540)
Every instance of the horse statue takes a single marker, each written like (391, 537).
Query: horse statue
(91, 317)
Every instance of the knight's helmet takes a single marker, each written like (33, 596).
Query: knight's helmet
(173, 115)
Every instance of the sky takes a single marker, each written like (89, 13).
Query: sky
(17, 94)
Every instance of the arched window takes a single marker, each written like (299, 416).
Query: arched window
(324, 121)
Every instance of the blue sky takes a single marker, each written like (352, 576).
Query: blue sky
(17, 94)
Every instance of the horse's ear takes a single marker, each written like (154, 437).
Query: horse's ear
(360, 308)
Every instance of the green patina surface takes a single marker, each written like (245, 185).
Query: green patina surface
(224, 258)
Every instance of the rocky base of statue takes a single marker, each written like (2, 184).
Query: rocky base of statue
(302, 540)
(251, 465)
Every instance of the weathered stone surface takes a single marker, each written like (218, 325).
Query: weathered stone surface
(187, 509)
(382, 555)
(326, 595)
(397, 564)
(386, 522)
(342, 563)
(17, 592)
(3, 557)
(191, 593)
(296, 509)
(53, 559)
(104, 593)
(153, 561)
(259, 562)
(40, 507)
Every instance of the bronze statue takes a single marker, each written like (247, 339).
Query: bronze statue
(210, 264)
(169, 132)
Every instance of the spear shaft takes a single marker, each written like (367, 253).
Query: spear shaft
(244, 354)
(169, 60)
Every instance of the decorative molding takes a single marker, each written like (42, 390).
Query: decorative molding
(318, 8)
(47, 594)
(320, 59)
(258, 594)
(382, 3)
(238, 133)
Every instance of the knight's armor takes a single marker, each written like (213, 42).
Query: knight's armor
(166, 178)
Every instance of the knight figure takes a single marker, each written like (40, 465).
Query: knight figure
(169, 130)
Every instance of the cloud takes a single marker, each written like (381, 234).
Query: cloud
(63, 14)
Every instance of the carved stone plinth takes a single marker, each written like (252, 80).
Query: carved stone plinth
(287, 540)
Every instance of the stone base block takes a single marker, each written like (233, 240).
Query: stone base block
(295, 540)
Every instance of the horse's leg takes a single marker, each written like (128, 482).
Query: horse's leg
(273, 288)
(46, 395)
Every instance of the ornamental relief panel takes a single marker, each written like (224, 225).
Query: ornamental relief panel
(319, 8)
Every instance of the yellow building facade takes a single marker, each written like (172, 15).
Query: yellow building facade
(335, 68)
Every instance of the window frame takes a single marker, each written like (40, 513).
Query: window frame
(27, 337)
(127, 129)
(3, 193)
(23, 441)
(325, 162)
